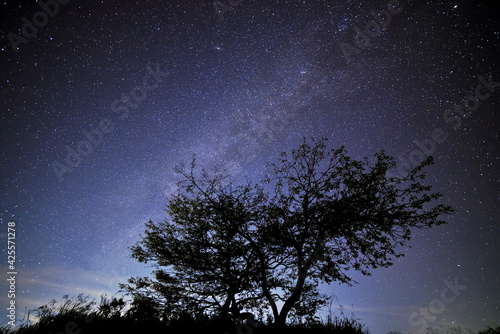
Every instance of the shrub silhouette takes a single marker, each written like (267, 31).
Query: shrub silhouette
(490, 330)
(117, 315)
(80, 315)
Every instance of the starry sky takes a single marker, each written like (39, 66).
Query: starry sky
(138, 87)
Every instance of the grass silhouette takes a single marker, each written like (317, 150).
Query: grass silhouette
(80, 315)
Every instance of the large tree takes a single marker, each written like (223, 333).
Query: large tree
(323, 215)
(336, 214)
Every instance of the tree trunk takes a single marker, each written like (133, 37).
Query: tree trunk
(297, 291)
(229, 302)
(280, 321)
(290, 302)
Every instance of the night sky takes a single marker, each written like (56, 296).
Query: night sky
(138, 87)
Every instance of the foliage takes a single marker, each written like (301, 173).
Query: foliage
(56, 315)
(448, 330)
(79, 315)
(202, 264)
(334, 214)
(459, 330)
(490, 330)
(111, 308)
(68, 307)
(224, 248)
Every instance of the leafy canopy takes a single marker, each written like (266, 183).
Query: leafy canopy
(225, 248)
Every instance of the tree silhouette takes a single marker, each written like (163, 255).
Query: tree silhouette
(203, 264)
(335, 213)
(224, 248)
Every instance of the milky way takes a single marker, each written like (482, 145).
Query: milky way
(130, 90)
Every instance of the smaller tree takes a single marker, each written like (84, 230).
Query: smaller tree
(144, 309)
(203, 265)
